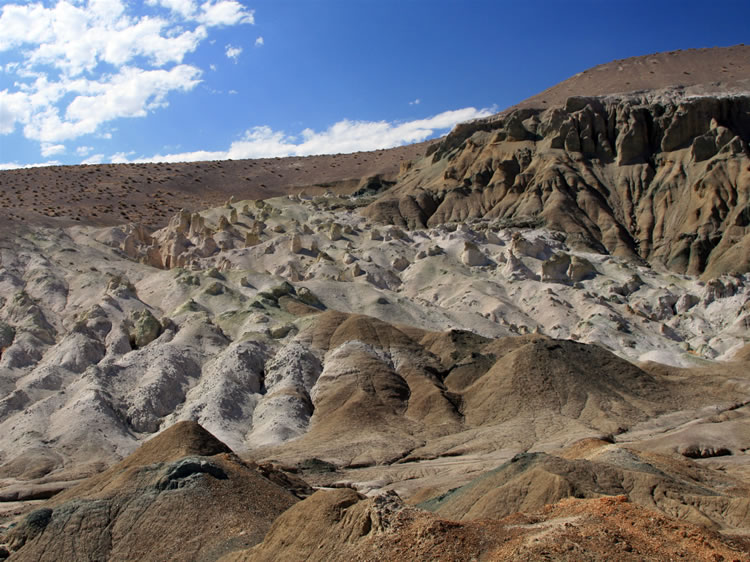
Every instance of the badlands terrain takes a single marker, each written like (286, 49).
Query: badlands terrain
(529, 339)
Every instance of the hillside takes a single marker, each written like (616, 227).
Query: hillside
(527, 339)
(150, 193)
(718, 70)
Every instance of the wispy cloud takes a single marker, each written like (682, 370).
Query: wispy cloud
(415, 102)
(342, 137)
(259, 42)
(94, 159)
(49, 149)
(211, 13)
(76, 65)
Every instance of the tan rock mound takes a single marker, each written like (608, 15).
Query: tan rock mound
(530, 481)
(375, 396)
(389, 394)
(182, 496)
(535, 374)
(340, 525)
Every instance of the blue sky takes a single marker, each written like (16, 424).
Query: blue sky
(87, 81)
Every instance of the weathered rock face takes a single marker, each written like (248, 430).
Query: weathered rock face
(661, 177)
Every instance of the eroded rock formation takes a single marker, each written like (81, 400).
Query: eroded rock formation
(660, 176)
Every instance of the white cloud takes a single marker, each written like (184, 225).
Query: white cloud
(233, 52)
(15, 107)
(84, 150)
(76, 39)
(94, 159)
(233, 92)
(75, 65)
(415, 102)
(224, 12)
(132, 92)
(121, 157)
(49, 149)
(259, 42)
(344, 136)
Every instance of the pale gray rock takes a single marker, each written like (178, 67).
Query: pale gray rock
(515, 270)
(295, 244)
(473, 256)
(534, 248)
(335, 232)
(159, 380)
(76, 352)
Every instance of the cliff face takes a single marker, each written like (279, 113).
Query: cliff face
(662, 177)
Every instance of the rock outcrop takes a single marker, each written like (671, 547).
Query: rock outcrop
(155, 504)
(657, 176)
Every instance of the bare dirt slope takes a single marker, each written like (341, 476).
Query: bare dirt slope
(530, 481)
(107, 194)
(699, 71)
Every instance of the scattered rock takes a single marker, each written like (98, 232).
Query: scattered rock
(472, 256)
(703, 451)
(215, 288)
(685, 303)
(400, 263)
(251, 239)
(335, 232)
(279, 332)
(555, 269)
(146, 328)
(580, 269)
(215, 274)
(295, 244)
